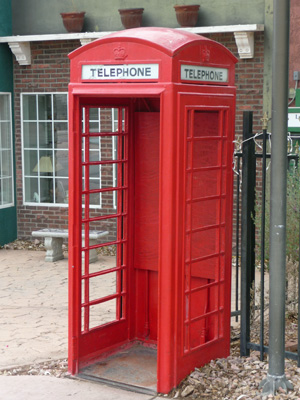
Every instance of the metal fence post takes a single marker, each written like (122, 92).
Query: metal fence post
(247, 230)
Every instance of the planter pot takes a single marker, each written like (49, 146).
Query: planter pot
(187, 16)
(131, 17)
(73, 21)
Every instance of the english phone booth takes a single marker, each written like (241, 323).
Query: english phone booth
(151, 114)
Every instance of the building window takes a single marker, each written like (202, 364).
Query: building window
(6, 152)
(45, 148)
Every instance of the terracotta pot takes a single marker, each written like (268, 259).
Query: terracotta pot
(73, 21)
(131, 17)
(187, 16)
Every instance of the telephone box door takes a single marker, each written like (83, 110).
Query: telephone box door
(204, 330)
(99, 301)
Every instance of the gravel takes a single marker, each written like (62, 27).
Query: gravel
(233, 378)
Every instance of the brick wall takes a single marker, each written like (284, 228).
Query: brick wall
(49, 72)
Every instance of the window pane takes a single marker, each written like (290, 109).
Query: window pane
(30, 162)
(45, 134)
(6, 163)
(29, 107)
(61, 135)
(30, 134)
(31, 190)
(7, 191)
(4, 107)
(46, 167)
(61, 163)
(61, 191)
(5, 135)
(46, 185)
(44, 105)
(60, 107)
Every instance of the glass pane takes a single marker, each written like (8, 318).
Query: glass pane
(93, 184)
(61, 135)
(61, 163)
(95, 171)
(95, 199)
(5, 135)
(5, 107)
(103, 285)
(206, 123)
(123, 119)
(30, 134)
(94, 127)
(103, 149)
(94, 114)
(103, 313)
(30, 162)
(46, 195)
(206, 153)
(6, 163)
(45, 134)
(205, 243)
(115, 119)
(44, 104)
(7, 191)
(205, 213)
(109, 225)
(109, 201)
(61, 191)
(106, 121)
(60, 105)
(31, 190)
(95, 148)
(46, 163)
(206, 183)
(94, 120)
(29, 107)
(109, 175)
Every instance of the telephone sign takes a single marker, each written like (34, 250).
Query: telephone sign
(120, 72)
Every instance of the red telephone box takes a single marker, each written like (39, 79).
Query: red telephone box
(151, 114)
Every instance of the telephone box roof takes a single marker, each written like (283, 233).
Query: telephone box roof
(167, 40)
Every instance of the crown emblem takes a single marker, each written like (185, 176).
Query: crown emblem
(120, 53)
(205, 53)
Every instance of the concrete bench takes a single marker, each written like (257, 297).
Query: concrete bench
(54, 240)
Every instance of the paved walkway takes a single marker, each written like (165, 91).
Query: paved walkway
(34, 308)
(34, 320)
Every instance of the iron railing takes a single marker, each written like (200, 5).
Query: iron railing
(250, 190)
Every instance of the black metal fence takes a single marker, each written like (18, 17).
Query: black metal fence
(250, 251)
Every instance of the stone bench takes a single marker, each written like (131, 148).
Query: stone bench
(54, 240)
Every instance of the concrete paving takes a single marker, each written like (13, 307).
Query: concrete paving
(34, 308)
(34, 319)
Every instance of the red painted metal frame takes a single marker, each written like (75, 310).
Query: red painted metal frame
(178, 101)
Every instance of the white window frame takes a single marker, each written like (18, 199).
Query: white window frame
(36, 94)
(12, 203)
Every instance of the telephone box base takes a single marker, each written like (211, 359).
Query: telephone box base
(132, 369)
